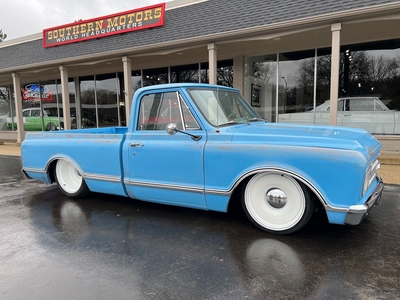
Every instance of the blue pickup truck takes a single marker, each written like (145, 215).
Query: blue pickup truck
(198, 145)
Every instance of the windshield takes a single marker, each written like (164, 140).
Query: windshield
(222, 107)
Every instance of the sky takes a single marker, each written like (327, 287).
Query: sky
(20, 18)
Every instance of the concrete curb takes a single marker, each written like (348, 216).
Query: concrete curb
(386, 159)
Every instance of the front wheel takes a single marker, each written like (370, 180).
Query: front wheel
(277, 203)
(69, 180)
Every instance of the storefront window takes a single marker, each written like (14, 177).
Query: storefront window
(88, 102)
(7, 108)
(204, 73)
(107, 91)
(73, 102)
(224, 72)
(368, 87)
(260, 85)
(155, 76)
(136, 80)
(186, 73)
(323, 90)
(40, 107)
(296, 81)
(371, 69)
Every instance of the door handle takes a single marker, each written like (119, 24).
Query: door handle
(135, 145)
(347, 115)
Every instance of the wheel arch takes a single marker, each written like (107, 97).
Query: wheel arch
(50, 167)
(245, 177)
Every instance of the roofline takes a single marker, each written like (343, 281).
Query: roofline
(326, 20)
(20, 40)
(181, 3)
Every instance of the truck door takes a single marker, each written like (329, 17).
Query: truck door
(166, 168)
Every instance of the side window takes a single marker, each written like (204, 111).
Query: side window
(340, 105)
(26, 113)
(190, 122)
(362, 104)
(158, 110)
(35, 113)
(379, 106)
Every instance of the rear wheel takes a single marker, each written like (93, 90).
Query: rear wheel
(69, 180)
(277, 203)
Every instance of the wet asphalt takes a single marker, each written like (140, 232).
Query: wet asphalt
(107, 247)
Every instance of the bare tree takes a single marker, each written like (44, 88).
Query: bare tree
(264, 72)
(3, 36)
(225, 76)
(365, 74)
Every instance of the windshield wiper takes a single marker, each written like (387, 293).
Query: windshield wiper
(234, 123)
(257, 119)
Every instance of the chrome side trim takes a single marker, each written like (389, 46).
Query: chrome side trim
(34, 170)
(91, 176)
(101, 177)
(165, 186)
(218, 192)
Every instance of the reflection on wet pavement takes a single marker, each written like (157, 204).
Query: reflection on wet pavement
(107, 247)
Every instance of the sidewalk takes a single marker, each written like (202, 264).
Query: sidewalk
(389, 158)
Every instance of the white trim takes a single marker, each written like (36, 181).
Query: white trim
(20, 40)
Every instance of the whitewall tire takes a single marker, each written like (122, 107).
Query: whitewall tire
(277, 203)
(69, 180)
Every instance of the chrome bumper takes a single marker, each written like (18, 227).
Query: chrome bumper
(357, 213)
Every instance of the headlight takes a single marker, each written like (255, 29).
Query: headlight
(370, 175)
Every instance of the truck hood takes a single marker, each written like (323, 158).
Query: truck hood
(307, 136)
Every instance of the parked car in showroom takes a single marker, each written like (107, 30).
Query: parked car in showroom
(32, 119)
(368, 113)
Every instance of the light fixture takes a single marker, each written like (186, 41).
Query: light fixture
(276, 38)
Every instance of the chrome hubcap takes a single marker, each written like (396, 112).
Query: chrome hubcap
(276, 198)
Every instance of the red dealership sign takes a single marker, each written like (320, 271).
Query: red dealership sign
(147, 17)
(34, 92)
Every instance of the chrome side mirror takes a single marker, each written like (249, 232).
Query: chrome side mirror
(171, 128)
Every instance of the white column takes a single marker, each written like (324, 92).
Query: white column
(335, 61)
(18, 108)
(128, 90)
(212, 63)
(65, 97)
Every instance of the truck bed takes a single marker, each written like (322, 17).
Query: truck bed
(95, 152)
